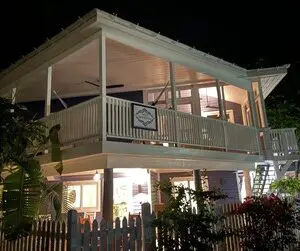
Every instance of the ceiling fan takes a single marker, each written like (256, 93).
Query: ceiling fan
(108, 86)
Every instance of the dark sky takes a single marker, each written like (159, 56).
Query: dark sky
(243, 33)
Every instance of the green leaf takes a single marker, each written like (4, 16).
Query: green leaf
(21, 199)
(56, 155)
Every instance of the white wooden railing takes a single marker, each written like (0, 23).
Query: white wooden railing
(81, 123)
(78, 123)
(280, 143)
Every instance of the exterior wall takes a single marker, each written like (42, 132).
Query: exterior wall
(227, 182)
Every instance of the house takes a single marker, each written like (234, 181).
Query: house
(136, 107)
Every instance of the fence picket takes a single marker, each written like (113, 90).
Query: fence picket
(124, 234)
(86, 236)
(117, 234)
(110, 236)
(94, 241)
(131, 234)
(63, 236)
(138, 224)
(102, 235)
(57, 239)
(52, 236)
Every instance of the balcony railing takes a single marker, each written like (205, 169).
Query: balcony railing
(280, 144)
(81, 123)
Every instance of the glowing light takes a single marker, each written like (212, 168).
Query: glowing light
(96, 176)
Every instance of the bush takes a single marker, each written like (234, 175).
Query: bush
(269, 223)
(180, 227)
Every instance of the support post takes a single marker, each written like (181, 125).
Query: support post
(108, 194)
(13, 95)
(220, 102)
(197, 179)
(102, 86)
(48, 92)
(262, 102)
(174, 99)
(247, 182)
(173, 86)
(252, 107)
(223, 102)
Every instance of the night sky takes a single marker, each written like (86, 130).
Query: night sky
(247, 34)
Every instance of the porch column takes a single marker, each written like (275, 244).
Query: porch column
(247, 182)
(253, 107)
(220, 102)
(13, 95)
(197, 179)
(223, 102)
(173, 85)
(174, 99)
(262, 101)
(107, 203)
(108, 188)
(48, 92)
(102, 86)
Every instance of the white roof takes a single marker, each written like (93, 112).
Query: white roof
(127, 33)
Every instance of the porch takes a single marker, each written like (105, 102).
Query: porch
(81, 125)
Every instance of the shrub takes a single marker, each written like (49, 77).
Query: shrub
(269, 223)
(180, 227)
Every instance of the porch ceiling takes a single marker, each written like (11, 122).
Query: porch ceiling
(127, 66)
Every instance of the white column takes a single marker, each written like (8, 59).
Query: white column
(102, 85)
(220, 102)
(253, 107)
(196, 102)
(223, 102)
(13, 95)
(48, 92)
(107, 203)
(173, 85)
(262, 104)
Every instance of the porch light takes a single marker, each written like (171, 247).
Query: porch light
(96, 176)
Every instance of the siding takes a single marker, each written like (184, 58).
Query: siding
(227, 182)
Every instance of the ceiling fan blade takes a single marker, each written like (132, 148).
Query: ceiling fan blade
(91, 83)
(108, 87)
(114, 86)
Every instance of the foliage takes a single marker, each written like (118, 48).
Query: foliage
(284, 185)
(19, 131)
(283, 113)
(269, 223)
(24, 187)
(191, 230)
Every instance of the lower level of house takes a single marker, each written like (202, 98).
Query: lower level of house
(133, 186)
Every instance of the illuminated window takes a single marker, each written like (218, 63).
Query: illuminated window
(185, 93)
(83, 196)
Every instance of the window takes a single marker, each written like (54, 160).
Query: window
(185, 93)
(84, 197)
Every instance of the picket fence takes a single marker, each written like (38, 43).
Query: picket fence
(122, 235)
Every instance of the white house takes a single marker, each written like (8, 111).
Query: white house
(99, 78)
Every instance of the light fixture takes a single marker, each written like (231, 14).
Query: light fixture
(96, 176)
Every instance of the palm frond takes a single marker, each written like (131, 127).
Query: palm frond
(21, 199)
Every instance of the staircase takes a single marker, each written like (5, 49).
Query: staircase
(264, 175)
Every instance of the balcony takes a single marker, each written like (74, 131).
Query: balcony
(80, 124)
(280, 144)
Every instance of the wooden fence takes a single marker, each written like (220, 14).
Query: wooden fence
(122, 235)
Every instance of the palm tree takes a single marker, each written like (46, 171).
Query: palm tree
(24, 188)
